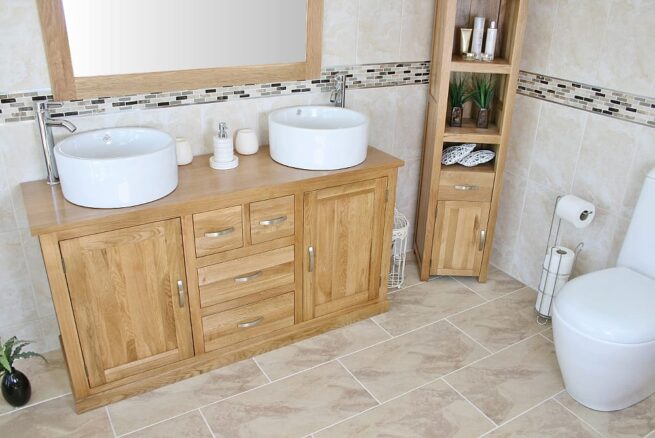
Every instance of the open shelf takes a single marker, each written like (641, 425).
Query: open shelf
(497, 66)
(468, 133)
(481, 168)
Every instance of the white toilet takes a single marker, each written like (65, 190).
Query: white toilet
(604, 322)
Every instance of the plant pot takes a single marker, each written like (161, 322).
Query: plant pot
(482, 121)
(16, 388)
(456, 117)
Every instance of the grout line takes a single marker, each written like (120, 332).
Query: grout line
(156, 423)
(469, 288)
(261, 369)
(574, 414)
(206, 423)
(469, 336)
(546, 337)
(22, 408)
(111, 423)
(505, 423)
(360, 383)
(470, 402)
(385, 330)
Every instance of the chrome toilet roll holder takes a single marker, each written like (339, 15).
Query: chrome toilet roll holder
(551, 244)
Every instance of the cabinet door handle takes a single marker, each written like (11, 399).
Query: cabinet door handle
(252, 323)
(483, 239)
(276, 221)
(312, 258)
(466, 187)
(180, 292)
(220, 233)
(249, 277)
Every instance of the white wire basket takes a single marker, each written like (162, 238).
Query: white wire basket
(398, 250)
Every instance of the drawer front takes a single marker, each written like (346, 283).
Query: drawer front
(236, 325)
(218, 230)
(246, 276)
(271, 219)
(458, 185)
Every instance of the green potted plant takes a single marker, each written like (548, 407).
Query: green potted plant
(458, 94)
(482, 94)
(16, 388)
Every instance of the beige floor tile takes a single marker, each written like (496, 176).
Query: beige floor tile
(548, 333)
(498, 284)
(168, 401)
(512, 381)
(55, 418)
(403, 363)
(636, 421)
(319, 349)
(432, 411)
(295, 406)
(48, 379)
(188, 425)
(549, 419)
(502, 322)
(425, 303)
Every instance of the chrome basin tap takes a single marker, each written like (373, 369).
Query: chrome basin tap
(338, 96)
(45, 123)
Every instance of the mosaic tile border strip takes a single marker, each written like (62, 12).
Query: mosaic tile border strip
(19, 106)
(612, 103)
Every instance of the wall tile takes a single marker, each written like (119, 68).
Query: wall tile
(381, 106)
(608, 148)
(643, 162)
(575, 49)
(410, 122)
(416, 30)
(627, 61)
(512, 199)
(340, 32)
(558, 140)
(522, 135)
(542, 15)
(378, 36)
(597, 238)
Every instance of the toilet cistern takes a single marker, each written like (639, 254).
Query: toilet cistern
(45, 123)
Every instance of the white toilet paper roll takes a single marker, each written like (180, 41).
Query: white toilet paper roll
(549, 287)
(575, 210)
(559, 260)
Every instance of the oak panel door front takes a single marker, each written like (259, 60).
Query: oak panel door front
(343, 233)
(127, 290)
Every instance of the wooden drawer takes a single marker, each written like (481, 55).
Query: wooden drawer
(249, 275)
(271, 219)
(236, 325)
(218, 230)
(462, 184)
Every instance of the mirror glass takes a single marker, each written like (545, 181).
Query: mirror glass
(115, 37)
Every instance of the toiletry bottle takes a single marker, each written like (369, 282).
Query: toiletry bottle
(465, 40)
(478, 35)
(490, 45)
(223, 147)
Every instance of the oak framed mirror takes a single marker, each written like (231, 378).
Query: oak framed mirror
(121, 47)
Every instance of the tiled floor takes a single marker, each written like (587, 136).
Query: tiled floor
(450, 358)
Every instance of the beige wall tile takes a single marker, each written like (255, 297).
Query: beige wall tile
(644, 162)
(627, 63)
(554, 159)
(416, 30)
(434, 410)
(406, 362)
(378, 36)
(381, 106)
(340, 32)
(510, 210)
(408, 133)
(498, 385)
(598, 239)
(542, 15)
(521, 147)
(296, 406)
(575, 50)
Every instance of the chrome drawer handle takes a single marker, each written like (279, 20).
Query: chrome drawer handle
(249, 277)
(252, 323)
(312, 258)
(180, 292)
(276, 221)
(467, 187)
(220, 233)
(483, 239)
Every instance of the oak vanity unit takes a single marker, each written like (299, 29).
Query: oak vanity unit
(231, 264)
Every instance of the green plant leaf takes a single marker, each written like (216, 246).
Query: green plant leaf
(28, 354)
(5, 363)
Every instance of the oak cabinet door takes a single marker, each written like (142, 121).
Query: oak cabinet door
(459, 238)
(128, 293)
(343, 237)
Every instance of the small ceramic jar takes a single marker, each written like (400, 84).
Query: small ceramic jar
(247, 142)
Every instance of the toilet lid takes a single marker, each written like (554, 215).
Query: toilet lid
(615, 305)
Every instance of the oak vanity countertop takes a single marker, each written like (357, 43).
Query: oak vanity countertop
(49, 212)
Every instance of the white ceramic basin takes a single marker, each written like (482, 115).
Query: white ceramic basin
(318, 137)
(119, 167)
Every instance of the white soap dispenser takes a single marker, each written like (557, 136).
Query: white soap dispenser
(223, 157)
